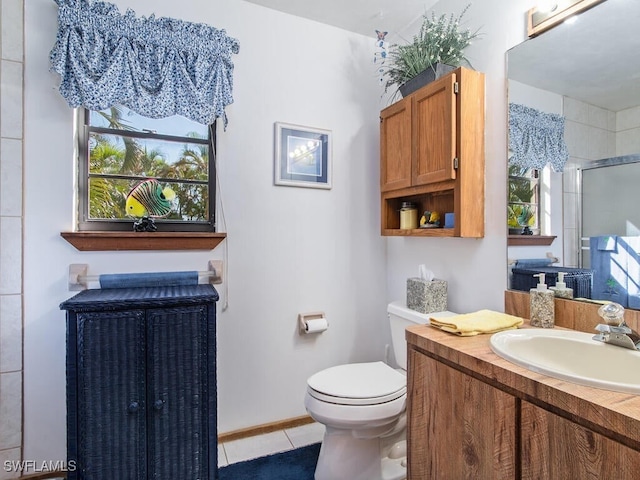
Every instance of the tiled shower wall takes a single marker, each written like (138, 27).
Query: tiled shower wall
(591, 133)
(11, 139)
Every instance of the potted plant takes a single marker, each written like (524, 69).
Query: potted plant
(437, 49)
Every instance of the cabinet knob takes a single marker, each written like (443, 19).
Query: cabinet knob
(133, 407)
(159, 404)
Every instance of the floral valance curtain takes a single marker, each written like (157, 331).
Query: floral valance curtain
(157, 67)
(536, 138)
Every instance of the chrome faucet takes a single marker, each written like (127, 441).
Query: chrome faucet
(614, 330)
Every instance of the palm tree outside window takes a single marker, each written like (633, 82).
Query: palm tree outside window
(524, 200)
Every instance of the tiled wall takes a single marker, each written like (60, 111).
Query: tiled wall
(590, 134)
(11, 138)
(628, 131)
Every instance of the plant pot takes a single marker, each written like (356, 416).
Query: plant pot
(427, 76)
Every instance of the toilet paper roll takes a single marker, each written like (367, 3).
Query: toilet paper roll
(315, 325)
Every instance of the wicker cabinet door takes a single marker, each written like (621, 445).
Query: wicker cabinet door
(178, 368)
(111, 424)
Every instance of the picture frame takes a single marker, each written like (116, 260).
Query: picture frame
(302, 156)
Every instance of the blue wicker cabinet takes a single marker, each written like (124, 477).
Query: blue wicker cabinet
(141, 384)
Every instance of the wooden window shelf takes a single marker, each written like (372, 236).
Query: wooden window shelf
(112, 241)
(521, 240)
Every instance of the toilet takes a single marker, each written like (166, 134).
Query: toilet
(363, 407)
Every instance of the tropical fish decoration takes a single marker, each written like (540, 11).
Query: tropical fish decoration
(148, 200)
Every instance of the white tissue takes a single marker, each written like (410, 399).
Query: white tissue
(424, 273)
(316, 325)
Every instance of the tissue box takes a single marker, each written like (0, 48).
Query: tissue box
(426, 297)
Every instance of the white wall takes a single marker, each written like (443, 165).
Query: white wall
(476, 269)
(290, 250)
(551, 204)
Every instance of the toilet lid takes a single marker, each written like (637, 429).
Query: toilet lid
(358, 383)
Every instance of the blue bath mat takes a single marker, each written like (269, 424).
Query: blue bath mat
(298, 464)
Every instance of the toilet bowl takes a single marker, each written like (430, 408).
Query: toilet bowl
(363, 407)
(360, 404)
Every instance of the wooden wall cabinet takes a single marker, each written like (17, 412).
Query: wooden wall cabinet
(432, 154)
(141, 384)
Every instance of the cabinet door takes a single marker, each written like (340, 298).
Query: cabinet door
(395, 146)
(458, 427)
(110, 399)
(554, 447)
(178, 366)
(434, 123)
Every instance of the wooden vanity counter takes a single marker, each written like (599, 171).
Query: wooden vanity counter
(530, 425)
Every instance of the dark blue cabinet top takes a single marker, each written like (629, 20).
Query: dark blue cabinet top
(142, 297)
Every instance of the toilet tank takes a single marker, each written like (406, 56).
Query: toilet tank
(401, 317)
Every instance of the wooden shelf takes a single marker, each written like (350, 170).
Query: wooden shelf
(112, 241)
(420, 232)
(521, 240)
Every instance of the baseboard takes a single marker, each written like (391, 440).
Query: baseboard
(264, 428)
(43, 476)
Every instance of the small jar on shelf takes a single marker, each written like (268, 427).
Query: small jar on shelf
(408, 216)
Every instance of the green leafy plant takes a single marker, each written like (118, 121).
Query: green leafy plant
(440, 40)
(521, 188)
(520, 191)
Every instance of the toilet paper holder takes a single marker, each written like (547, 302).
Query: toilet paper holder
(312, 322)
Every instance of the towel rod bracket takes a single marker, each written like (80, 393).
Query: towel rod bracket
(78, 277)
(215, 267)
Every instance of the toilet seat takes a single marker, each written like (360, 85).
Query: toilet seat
(369, 383)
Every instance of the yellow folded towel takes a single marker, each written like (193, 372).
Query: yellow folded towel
(482, 321)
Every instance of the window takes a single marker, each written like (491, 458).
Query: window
(118, 149)
(524, 200)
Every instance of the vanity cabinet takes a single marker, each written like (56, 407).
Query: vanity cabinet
(141, 383)
(554, 447)
(458, 427)
(432, 154)
(474, 415)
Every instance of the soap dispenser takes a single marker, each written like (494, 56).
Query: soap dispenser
(561, 290)
(542, 310)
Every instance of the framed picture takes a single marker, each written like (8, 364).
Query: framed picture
(302, 156)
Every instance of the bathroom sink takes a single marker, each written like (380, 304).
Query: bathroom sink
(571, 356)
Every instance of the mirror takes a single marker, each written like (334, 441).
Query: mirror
(587, 70)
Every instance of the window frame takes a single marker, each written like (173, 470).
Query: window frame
(533, 178)
(85, 224)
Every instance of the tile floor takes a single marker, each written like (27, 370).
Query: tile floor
(274, 442)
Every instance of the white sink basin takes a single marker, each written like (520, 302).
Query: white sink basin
(571, 356)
